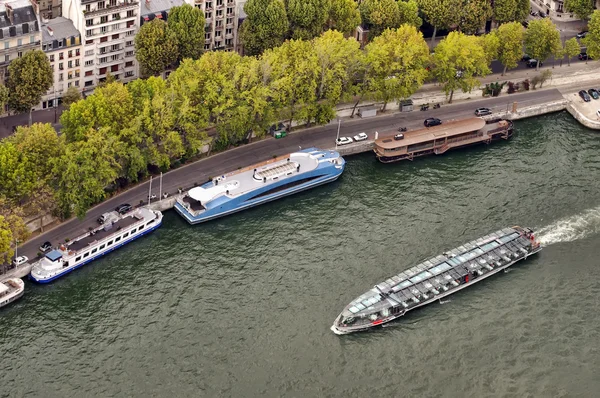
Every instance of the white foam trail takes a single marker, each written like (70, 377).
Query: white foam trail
(571, 228)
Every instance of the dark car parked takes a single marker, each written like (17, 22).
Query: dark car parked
(525, 58)
(483, 111)
(45, 247)
(585, 96)
(594, 93)
(124, 208)
(581, 35)
(432, 121)
(532, 63)
(583, 56)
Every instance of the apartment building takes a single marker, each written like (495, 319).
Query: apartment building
(50, 8)
(19, 31)
(108, 29)
(221, 24)
(61, 42)
(158, 9)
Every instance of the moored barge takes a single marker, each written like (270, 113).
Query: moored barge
(11, 290)
(437, 278)
(439, 139)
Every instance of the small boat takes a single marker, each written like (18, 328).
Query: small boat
(117, 230)
(260, 183)
(437, 278)
(11, 290)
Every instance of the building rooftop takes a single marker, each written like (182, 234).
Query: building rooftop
(154, 6)
(57, 29)
(17, 18)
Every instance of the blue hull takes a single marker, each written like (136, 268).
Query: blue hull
(32, 278)
(242, 204)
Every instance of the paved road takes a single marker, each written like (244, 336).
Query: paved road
(323, 136)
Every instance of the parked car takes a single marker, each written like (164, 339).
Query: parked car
(583, 56)
(432, 121)
(525, 24)
(361, 137)
(399, 137)
(585, 96)
(598, 113)
(124, 208)
(45, 247)
(525, 58)
(20, 260)
(483, 111)
(582, 34)
(344, 141)
(542, 14)
(594, 93)
(532, 63)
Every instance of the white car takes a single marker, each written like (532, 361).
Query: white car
(344, 140)
(361, 137)
(20, 260)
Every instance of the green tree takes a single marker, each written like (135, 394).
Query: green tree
(491, 46)
(523, 8)
(582, 8)
(338, 62)
(473, 14)
(265, 26)
(441, 14)
(510, 52)
(12, 228)
(459, 59)
(592, 40)
(17, 175)
(3, 96)
(409, 13)
(187, 23)
(71, 96)
(343, 16)
(156, 47)
(542, 39)
(40, 144)
(83, 171)
(511, 10)
(293, 77)
(307, 17)
(398, 62)
(379, 15)
(572, 49)
(29, 77)
(6, 241)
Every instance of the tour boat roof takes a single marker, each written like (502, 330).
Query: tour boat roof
(447, 129)
(3, 288)
(54, 255)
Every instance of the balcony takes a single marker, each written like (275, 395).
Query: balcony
(101, 53)
(111, 61)
(108, 9)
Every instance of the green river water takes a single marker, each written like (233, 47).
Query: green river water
(241, 307)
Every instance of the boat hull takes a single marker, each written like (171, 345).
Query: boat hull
(13, 297)
(95, 257)
(347, 330)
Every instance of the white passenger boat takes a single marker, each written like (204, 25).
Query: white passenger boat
(114, 233)
(11, 290)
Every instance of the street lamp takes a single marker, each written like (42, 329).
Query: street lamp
(338, 132)
(54, 103)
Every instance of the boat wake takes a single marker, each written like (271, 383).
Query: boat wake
(571, 228)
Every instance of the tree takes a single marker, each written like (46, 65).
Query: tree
(29, 77)
(83, 171)
(343, 16)
(307, 17)
(156, 47)
(40, 144)
(440, 14)
(510, 36)
(458, 60)
(187, 23)
(523, 9)
(542, 39)
(409, 13)
(379, 15)
(265, 26)
(3, 96)
(17, 176)
(12, 228)
(398, 62)
(293, 77)
(582, 8)
(6, 241)
(491, 46)
(592, 40)
(473, 14)
(571, 49)
(510, 10)
(71, 96)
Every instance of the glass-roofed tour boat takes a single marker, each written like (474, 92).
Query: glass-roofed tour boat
(260, 183)
(437, 278)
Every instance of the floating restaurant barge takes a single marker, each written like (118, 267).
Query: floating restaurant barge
(260, 183)
(116, 231)
(11, 290)
(437, 278)
(439, 139)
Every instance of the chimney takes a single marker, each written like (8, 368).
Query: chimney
(50, 31)
(147, 2)
(9, 13)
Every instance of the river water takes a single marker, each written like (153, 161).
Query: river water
(242, 306)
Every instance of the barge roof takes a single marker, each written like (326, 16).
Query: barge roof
(447, 129)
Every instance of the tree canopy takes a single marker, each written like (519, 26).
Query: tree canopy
(156, 47)
(542, 39)
(582, 8)
(266, 25)
(71, 96)
(379, 15)
(510, 36)
(510, 10)
(592, 40)
(344, 16)
(441, 14)
(307, 17)
(188, 25)
(473, 14)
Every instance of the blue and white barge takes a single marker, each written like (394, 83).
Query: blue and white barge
(116, 231)
(260, 183)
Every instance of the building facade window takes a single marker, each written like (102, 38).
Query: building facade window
(19, 42)
(89, 52)
(31, 39)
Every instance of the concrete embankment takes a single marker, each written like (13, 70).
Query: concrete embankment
(19, 272)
